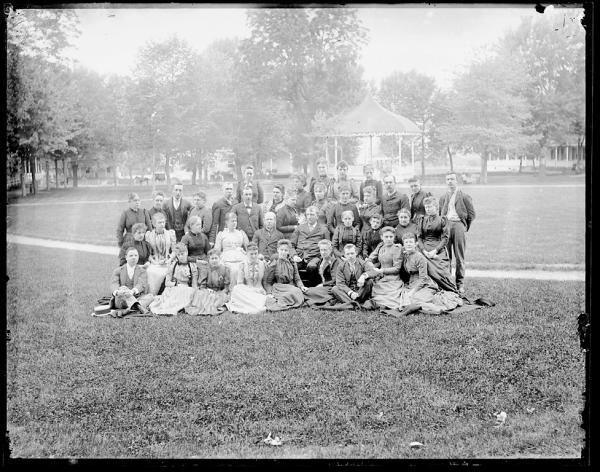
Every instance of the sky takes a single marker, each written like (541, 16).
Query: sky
(434, 40)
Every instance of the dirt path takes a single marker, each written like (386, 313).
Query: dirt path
(566, 275)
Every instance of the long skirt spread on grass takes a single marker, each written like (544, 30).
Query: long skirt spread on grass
(207, 301)
(285, 296)
(247, 300)
(432, 301)
(387, 293)
(317, 296)
(156, 273)
(172, 300)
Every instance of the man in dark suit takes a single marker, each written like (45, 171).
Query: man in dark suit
(352, 287)
(257, 191)
(177, 209)
(249, 214)
(458, 208)
(416, 197)
(219, 209)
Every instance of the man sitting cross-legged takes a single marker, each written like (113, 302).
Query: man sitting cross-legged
(305, 240)
(129, 286)
(352, 288)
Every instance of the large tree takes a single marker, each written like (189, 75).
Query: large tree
(487, 110)
(308, 58)
(37, 123)
(551, 52)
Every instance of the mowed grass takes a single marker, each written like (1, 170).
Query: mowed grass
(518, 225)
(331, 385)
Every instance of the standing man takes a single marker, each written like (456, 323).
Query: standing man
(457, 206)
(249, 214)
(392, 201)
(321, 178)
(416, 197)
(219, 209)
(257, 190)
(177, 210)
(343, 181)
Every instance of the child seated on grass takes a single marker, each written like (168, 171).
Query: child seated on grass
(129, 287)
(214, 281)
(346, 233)
(371, 236)
(180, 284)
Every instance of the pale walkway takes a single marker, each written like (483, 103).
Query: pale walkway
(567, 275)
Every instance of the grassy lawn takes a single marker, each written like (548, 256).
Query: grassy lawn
(330, 384)
(517, 225)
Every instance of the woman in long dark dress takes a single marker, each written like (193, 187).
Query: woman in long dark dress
(422, 292)
(284, 288)
(136, 240)
(432, 235)
(321, 294)
(405, 225)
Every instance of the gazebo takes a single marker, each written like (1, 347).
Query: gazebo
(370, 119)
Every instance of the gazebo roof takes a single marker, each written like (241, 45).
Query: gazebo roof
(369, 119)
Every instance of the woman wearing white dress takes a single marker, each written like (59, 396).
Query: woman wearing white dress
(162, 241)
(232, 244)
(249, 295)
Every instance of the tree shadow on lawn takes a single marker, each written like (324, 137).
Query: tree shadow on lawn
(330, 384)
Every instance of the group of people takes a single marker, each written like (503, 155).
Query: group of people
(336, 245)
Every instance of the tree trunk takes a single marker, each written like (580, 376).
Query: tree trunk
(194, 171)
(75, 168)
(47, 175)
(22, 176)
(520, 164)
(450, 158)
(114, 169)
(64, 166)
(130, 176)
(542, 166)
(484, 159)
(33, 176)
(56, 172)
(167, 168)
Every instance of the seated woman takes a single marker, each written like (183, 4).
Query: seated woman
(232, 244)
(129, 288)
(136, 239)
(422, 292)
(387, 283)
(161, 242)
(195, 240)
(180, 284)
(214, 280)
(249, 295)
(322, 294)
(284, 288)
(405, 225)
